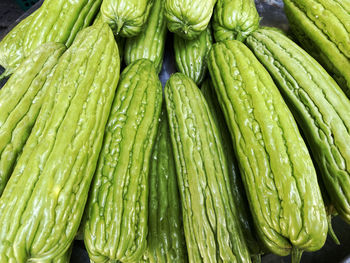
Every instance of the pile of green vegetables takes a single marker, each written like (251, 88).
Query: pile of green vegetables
(256, 160)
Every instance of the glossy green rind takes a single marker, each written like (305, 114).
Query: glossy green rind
(11, 46)
(150, 42)
(55, 21)
(212, 229)
(65, 258)
(20, 102)
(191, 55)
(238, 192)
(323, 29)
(318, 104)
(116, 219)
(165, 241)
(234, 19)
(127, 18)
(188, 18)
(43, 202)
(276, 168)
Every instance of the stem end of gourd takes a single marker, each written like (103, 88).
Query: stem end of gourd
(296, 255)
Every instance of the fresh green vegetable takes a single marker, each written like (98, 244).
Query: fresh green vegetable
(234, 19)
(211, 225)
(20, 102)
(188, 18)
(55, 21)
(43, 202)
(238, 193)
(116, 221)
(65, 258)
(150, 42)
(127, 18)
(318, 104)
(191, 55)
(166, 241)
(323, 29)
(11, 50)
(276, 168)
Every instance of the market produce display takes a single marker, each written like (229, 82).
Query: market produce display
(244, 153)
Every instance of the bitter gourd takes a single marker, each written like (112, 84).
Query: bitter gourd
(11, 50)
(165, 241)
(276, 168)
(127, 18)
(191, 55)
(43, 202)
(65, 258)
(323, 29)
(188, 18)
(238, 193)
(150, 42)
(116, 221)
(319, 105)
(212, 229)
(20, 102)
(234, 19)
(55, 21)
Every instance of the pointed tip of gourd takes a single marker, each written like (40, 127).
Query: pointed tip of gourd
(119, 27)
(296, 255)
(331, 231)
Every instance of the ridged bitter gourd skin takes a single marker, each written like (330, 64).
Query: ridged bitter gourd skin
(43, 202)
(212, 229)
(166, 240)
(188, 18)
(323, 29)
(150, 42)
(11, 50)
(191, 55)
(116, 219)
(65, 258)
(127, 18)
(276, 168)
(234, 19)
(20, 102)
(55, 21)
(319, 105)
(238, 193)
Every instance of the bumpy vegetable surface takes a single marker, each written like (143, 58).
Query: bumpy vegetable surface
(188, 18)
(127, 18)
(234, 19)
(276, 168)
(191, 55)
(319, 105)
(20, 102)
(166, 241)
(117, 212)
(65, 258)
(43, 202)
(11, 50)
(151, 41)
(210, 220)
(323, 29)
(55, 21)
(238, 193)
